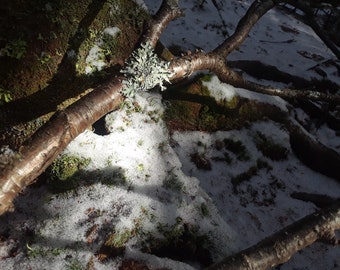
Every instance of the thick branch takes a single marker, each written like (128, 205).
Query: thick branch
(53, 137)
(183, 67)
(281, 246)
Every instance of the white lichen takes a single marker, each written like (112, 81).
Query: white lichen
(144, 70)
(7, 156)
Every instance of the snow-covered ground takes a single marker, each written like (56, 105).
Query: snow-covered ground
(141, 187)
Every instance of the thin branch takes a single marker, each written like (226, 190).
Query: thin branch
(237, 80)
(254, 13)
(281, 246)
(168, 11)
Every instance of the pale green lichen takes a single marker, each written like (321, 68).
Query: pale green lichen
(143, 71)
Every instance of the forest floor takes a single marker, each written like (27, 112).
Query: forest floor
(178, 181)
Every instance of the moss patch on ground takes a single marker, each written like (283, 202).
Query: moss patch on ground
(63, 172)
(190, 107)
(181, 241)
(269, 148)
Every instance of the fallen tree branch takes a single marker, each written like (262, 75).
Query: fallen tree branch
(281, 246)
(168, 11)
(237, 80)
(47, 143)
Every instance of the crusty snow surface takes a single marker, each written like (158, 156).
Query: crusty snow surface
(140, 176)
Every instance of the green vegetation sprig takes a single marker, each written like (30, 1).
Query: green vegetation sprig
(143, 71)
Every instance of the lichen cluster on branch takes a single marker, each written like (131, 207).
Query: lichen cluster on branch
(143, 71)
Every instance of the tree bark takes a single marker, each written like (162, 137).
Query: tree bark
(281, 246)
(52, 138)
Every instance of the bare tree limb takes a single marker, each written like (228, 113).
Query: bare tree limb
(319, 200)
(281, 246)
(254, 13)
(168, 11)
(314, 154)
(237, 80)
(215, 61)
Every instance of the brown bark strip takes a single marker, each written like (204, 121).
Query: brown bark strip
(281, 246)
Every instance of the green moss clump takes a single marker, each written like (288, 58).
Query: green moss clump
(15, 49)
(118, 240)
(238, 148)
(232, 103)
(62, 172)
(204, 210)
(247, 175)
(269, 148)
(206, 78)
(173, 183)
(208, 119)
(181, 241)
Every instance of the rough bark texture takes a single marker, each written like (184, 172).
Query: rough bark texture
(281, 246)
